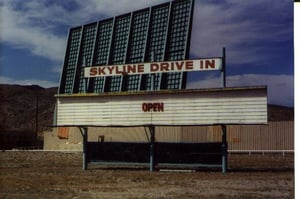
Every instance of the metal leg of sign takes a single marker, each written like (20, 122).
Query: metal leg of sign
(224, 149)
(223, 71)
(84, 133)
(152, 148)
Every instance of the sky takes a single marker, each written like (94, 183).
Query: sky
(258, 37)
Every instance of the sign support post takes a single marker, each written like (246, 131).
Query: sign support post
(84, 133)
(223, 70)
(152, 148)
(224, 149)
(223, 126)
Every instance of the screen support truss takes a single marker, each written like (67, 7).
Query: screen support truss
(84, 133)
(224, 149)
(152, 159)
(152, 163)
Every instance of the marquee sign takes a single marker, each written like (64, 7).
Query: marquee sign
(246, 105)
(154, 67)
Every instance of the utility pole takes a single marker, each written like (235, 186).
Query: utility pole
(36, 115)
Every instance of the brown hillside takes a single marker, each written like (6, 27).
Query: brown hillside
(18, 107)
(280, 113)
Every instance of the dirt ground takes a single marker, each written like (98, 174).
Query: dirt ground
(59, 175)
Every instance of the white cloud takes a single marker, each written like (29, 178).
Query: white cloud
(57, 69)
(280, 87)
(42, 83)
(110, 8)
(42, 26)
(19, 29)
(243, 27)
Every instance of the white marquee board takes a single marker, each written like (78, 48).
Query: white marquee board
(208, 64)
(185, 107)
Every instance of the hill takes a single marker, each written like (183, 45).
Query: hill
(280, 113)
(21, 105)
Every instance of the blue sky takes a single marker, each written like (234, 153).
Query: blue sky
(258, 36)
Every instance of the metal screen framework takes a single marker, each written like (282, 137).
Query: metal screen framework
(158, 33)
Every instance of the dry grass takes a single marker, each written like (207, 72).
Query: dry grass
(59, 175)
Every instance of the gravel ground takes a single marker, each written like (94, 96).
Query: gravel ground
(27, 174)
